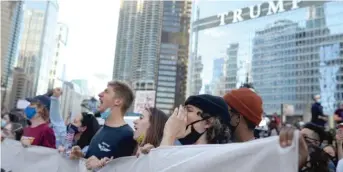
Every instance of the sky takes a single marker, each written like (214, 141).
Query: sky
(92, 39)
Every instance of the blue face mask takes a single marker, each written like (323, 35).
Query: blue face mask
(30, 112)
(3, 123)
(106, 113)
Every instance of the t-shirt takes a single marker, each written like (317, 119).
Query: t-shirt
(317, 110)
(42, 135)
(339, 112)
(112, 142)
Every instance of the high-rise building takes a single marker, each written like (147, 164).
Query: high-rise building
(173, 58)
(231, 66)
(11, 19)
(218, 80)
(37, 43)
(274, 65)
(208, 89)
(122, 69)
(195, 79)
(21, 87)
(295, 49)
(61, 39)
(152, 48)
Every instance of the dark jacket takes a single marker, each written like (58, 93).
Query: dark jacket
(317, 110)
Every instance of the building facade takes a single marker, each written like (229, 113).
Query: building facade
(37, 43)
(21, 87)
(152, 48)
(61, 39)
(11, 19)
(294, 49)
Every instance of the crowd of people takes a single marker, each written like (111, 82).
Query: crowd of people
(202, 119)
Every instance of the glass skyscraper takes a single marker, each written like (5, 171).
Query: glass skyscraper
(295, 49)
(38, 43)
(152, 49)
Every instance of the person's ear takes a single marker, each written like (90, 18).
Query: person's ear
(118, 101)
(209, 122)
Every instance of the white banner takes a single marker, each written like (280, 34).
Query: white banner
(263, 155)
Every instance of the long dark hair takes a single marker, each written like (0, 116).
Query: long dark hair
(155, 132)
(89, 121)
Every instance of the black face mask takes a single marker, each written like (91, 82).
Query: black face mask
(193, 136)
(74, 128)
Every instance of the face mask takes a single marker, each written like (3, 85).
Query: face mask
(30, 112)
(318, 100)
(140, 139)
(105, 114)
(3, 123)
(193, 136)
(75, 128)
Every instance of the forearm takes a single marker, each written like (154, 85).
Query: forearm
(339, 150)
(56, 118)
(55, 114)
(167, 140)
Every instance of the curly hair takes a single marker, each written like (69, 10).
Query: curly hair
(42, 110)
(219, 132)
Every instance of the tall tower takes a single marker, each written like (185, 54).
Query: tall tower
(37, 43)
(11, 19)
(152, 48)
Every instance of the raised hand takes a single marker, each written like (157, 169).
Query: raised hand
(286, 138)
(57, 92)
(176, 125)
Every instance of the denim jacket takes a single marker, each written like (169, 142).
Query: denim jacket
(57, 121)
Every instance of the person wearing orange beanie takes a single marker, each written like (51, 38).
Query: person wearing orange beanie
(245, 108)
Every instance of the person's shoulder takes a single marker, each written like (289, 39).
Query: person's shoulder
(126, 130)
(46, 128)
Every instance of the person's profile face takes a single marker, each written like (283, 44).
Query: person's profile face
(106, 99)
(310, 137)
(194, 114)
(142, 124)
(234, 117)
(77, 121)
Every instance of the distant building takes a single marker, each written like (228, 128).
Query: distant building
(231, 66)
(71, 99)
(218, 80)
(37, 42)
(294, 50)
(11, 19)
(208, 89)
(152, 48)
(58, 66)
(21, 87)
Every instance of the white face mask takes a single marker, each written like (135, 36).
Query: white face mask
(318, 100)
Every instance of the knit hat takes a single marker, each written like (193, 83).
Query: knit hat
(42, 99)
(247, 103)
(212, 105)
